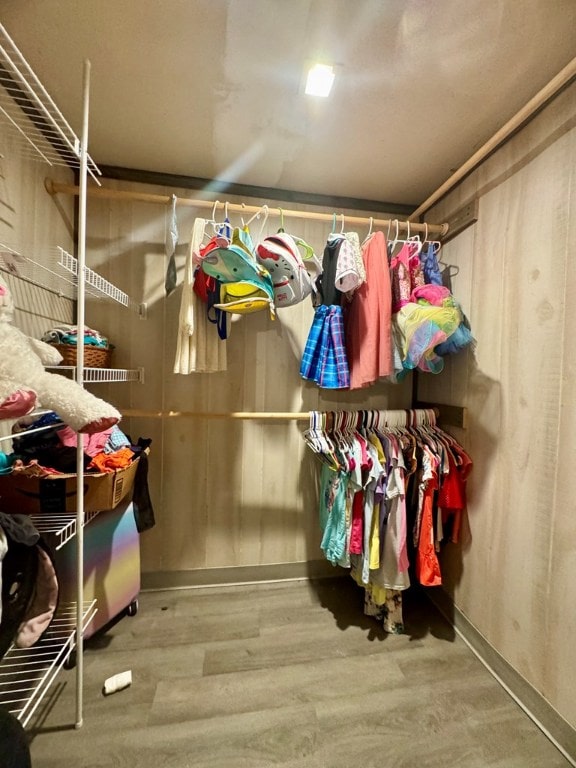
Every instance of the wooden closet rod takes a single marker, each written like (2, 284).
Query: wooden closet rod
(252, 415)
(448, 414)
(55, 187)
(517, 121)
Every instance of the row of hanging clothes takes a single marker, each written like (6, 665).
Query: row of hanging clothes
(392, 492)
(385, 310)
(228, 272)
(381, 308)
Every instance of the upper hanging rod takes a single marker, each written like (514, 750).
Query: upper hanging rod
(55, 187)
(539, 100)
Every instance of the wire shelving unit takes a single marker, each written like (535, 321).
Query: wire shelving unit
(32, 115)
(27, 673)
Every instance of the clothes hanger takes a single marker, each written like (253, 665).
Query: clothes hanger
(415, 239)
(310, 434)
(425, 234)
(395, 241)
(342, 227)
(264, 210)
(411, 238)
(281, 228)
(226, 228)
(453, 269)
(211, 221)
(343, 440)
(254, 217)
(222, 230)
(369, 231)
(317, 439)
(339, 441)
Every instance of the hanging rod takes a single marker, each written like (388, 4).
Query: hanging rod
(453, 415)
(248, 415)
(536, 103)
(56, 187)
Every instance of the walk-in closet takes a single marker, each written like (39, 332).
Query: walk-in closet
(309, 358)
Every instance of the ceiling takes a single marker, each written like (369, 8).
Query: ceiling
(214, 88)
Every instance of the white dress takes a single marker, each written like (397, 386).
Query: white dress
(199, 349)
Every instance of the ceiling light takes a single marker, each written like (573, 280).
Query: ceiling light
(319, 80)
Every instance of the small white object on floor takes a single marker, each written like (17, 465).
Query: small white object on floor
(117, 682)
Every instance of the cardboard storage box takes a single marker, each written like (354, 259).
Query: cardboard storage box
(58, 493)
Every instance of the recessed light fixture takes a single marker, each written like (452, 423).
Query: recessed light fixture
(320, 79)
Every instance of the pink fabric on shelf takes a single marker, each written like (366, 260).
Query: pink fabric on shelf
(92, 444)
(18, 403)
(40, 612)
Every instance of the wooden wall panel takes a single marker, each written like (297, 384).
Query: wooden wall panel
(226, 492)
(33, 224)
(559, 669)
(511, 577)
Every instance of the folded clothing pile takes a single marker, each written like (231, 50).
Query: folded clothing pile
(68, 334)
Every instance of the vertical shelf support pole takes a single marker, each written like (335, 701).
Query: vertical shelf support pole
(80, 381)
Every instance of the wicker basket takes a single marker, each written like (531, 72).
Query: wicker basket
(94, 357)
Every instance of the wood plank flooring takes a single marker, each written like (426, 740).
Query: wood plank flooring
(290, 675)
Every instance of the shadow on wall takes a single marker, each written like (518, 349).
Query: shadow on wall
(484, 405)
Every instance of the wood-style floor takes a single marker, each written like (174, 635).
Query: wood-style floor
(290, 675)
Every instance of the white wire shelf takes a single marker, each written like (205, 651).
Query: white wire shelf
(27, 673)
(92, 279)
(22, 267)
(95, 284)
(101, 375)
(59, 528)
(65, 281)
(32, 115)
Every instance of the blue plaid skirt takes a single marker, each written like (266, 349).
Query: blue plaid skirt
(324, 359)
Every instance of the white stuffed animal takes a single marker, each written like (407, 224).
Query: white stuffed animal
(25, 384)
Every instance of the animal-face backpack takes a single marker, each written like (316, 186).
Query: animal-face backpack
(245, 285)
(293, 272)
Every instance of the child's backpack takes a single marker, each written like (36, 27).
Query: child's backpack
(245, 285)
(293, 274)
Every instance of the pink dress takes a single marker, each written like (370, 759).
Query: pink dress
(368, 318)
(407, 275)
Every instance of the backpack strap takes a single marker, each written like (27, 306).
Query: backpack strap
(215, 315)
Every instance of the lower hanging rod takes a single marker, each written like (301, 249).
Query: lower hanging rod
(453, 415)
(440, 230)
(255, 415)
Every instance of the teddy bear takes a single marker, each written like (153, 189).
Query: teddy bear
(25, 384)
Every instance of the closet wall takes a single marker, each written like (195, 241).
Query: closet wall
(33, 224)
(514, 578)
(226, 492)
